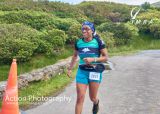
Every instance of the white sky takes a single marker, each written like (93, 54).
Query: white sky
(134, 2)
(131, 2)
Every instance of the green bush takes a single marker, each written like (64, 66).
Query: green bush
(64, 10)
(155, 30)
(17, 41)
(108, 38)
(144, 28)
(149, 14)
(107, 26)
(10, 5)
(74, 32)
(146, 5)
(56, 40)
(44, 47)
(152, 28)
(123, 33)
(64, 24)
(100, 12)
(37, 20)
(81, 20)
(131, 27)
(22, 50)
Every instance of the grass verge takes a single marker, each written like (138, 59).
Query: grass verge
(28, 97)
(141, 42)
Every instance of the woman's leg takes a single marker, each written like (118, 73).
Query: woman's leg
(93, 91)
(81, 91)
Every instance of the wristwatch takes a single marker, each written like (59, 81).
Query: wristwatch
(95, 59)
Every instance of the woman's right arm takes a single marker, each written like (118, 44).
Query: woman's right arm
(73, 62)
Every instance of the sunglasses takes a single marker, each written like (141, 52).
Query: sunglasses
(86, 29)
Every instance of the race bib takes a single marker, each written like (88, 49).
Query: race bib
(94, 76)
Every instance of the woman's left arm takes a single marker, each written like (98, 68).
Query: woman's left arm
(103, 57)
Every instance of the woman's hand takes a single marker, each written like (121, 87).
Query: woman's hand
(88, 60)
(73, 61)
(69, 72)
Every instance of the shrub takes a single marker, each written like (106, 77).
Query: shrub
(155, 30)
(56, 39)
(123, 33)
(108, 39)
(64, 24)
(149, 14)
(17, 41)
(152, 28)
(134, 30)
(108, 26)
(100, 12)
(74, 32)
(146, 5)
(36, 20)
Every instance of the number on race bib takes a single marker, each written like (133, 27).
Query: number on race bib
(94, 76)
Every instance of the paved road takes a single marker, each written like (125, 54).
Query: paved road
(132, 88)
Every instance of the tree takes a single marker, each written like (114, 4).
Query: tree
(146, 5)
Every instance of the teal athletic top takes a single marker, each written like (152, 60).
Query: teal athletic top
(89, 49)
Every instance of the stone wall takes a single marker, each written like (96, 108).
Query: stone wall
(39, 74)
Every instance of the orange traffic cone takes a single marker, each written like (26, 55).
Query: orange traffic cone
(10, 98)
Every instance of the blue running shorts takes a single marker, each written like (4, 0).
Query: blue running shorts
(85, 77)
